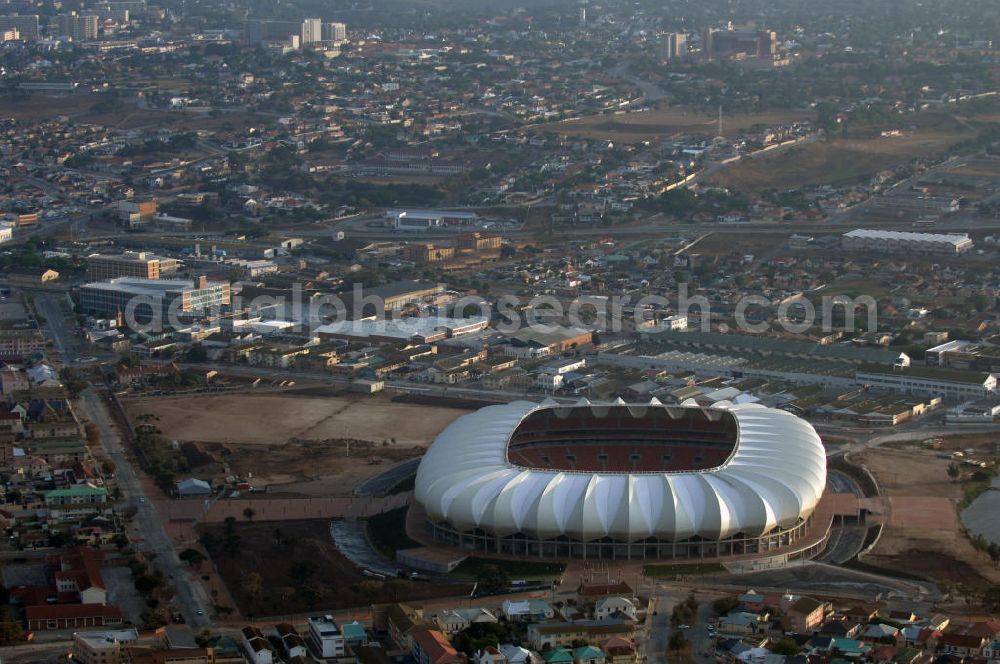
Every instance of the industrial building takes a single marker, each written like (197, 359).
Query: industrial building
(905, 243)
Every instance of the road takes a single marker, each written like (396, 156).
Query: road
(147, 522)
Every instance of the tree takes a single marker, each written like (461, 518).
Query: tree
(493, 579)
(249, 513)
(724, 605)
(677, 642)
(252, 584)
(786, 647)
(991, 599)
(192, 557)
(954, 471)
(230, 522)
(994, 552)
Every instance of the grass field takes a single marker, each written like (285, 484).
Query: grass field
(668, 570)
(840, 161)
(298, 568)
(387, 532)
(666, 122)
(470, 568)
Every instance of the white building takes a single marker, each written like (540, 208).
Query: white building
(609, 607)
(675, 322)
(102, 647)
(312, 31)
(325, 637)
(6, 232)
(951, 384)
(906, 243)
(335, 32)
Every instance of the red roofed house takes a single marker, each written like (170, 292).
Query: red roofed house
(431, 647)
(71, 616)
(961, 645)
(79, 572)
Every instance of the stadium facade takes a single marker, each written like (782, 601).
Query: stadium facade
(620, 481)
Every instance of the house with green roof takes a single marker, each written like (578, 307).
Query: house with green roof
(76, 501)
(558, 655)
(588, 655)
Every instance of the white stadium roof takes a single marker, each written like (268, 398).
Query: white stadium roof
(775, 476)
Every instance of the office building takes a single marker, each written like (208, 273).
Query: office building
(312, 31)
(102, 647)
(76, 27)
(904, 243)
(674, 45)
(731, 42)
(144, 297)
(101, 267)
(257, 30)
(26, 25)
(335, 32)
(137, 213)
(10, 35)
(325, 638)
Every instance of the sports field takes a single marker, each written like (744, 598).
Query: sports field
(664, 123)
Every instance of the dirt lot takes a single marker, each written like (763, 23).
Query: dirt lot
(667, 122)
(841, 161)
(301, 570)
(309, 445)
(924, 537)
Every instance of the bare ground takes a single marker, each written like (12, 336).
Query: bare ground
(925, 537)
(305, 445)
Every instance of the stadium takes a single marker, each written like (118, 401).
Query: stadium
(644, 481)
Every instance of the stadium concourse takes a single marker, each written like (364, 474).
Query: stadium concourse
(625, 481)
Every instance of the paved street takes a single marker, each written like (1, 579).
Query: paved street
(154, 539)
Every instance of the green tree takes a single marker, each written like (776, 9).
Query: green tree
(493, 578)
(677, 642)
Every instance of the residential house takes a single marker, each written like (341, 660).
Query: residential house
(542, 636)
(557, 655)
(614, 607)
(402, 621)
(619, 650)
(432, 647)
(739, 623)
(961, 645)
(802, 615)
(515, 654)
(588, 655)
(453, 621)
(256, 646)
(295, 645)
(526, 610)
(79, 572)
(489, 655)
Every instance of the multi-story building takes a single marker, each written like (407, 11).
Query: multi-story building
(26, 25)
(432, 647)
(102, 647)
(733, 41)
(325, 637)
(6, 230)
(335, 32)
(153, 297)
(77, 27)
(674, 45)
(137, 213)
(257, 30)
(141, 264)
(477, 242)
(312, 31)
